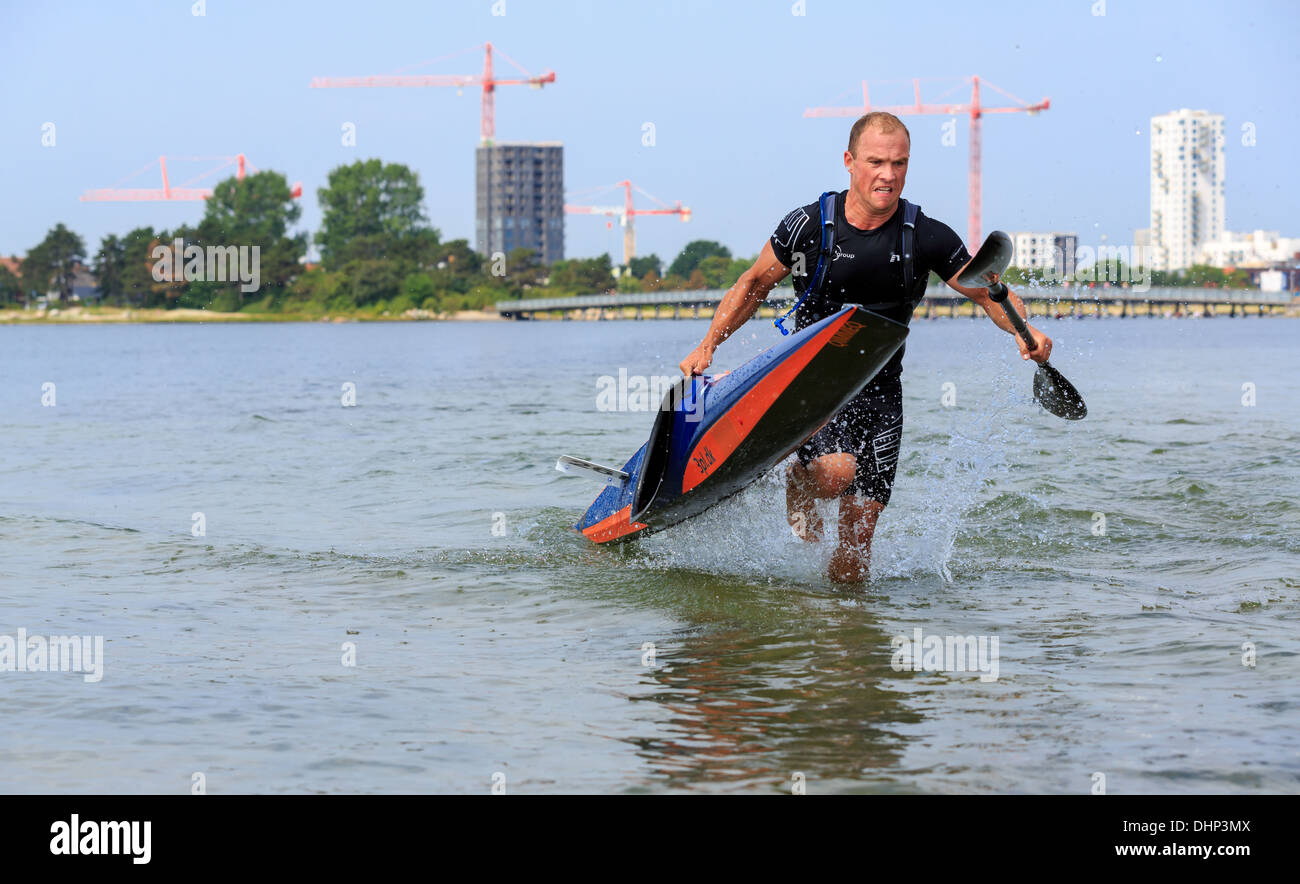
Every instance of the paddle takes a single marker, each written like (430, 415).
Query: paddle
(1051, 389)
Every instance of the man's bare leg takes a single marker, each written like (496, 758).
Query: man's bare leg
(851, 562)
(826, 476)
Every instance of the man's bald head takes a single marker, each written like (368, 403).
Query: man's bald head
(881, 121)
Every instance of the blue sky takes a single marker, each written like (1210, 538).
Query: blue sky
(724, 83)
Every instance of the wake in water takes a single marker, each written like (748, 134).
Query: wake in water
(940, 479)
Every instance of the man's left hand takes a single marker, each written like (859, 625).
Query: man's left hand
(1043, 349)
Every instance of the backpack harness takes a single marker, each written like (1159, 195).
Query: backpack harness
(827, 207)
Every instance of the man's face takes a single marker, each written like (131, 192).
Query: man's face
(878, 168)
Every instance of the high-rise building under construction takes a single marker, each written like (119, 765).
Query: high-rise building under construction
(519, 200)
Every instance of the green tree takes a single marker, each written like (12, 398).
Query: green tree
(366, 283)
(11, 287)
(368, 207)
(53, 262)
(720, 272)
(457, 259)
(256, 211)
(641, 266)
(137, 271)
(418, 287)
(583, 274)
(524, 268)
(314, 290)
(695, 252)
(168, 287)
(109, 268)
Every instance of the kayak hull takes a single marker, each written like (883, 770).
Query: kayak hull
(714, 435)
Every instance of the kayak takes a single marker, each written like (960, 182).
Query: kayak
(714, 435)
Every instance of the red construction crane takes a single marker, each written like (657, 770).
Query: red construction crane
(974, 108)
(167, 192)
(487, 126)
(627, 212)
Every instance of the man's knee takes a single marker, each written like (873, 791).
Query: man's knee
(835, 473)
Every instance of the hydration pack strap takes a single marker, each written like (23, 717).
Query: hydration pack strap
(910, 211)
(827, 207)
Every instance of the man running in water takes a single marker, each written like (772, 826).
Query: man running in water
(855, 456)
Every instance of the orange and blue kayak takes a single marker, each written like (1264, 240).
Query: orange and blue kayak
(714, 435)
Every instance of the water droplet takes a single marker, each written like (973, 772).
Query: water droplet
(1137, 131)
(1159, 58)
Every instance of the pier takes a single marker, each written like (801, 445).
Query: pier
(938, 302)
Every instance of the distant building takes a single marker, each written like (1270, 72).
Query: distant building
(1054, 252)
(520, 198)
(1187, 168)
(84, 287)
(1273, 281)
(1256, 249)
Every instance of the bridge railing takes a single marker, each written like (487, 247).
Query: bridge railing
(1074, 294)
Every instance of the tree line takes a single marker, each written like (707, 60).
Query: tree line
(379, 254)
(1195, 276)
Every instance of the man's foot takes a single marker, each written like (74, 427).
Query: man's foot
(848, 565)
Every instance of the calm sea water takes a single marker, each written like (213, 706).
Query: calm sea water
(1127, 565)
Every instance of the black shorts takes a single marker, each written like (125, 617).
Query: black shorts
(870, 428)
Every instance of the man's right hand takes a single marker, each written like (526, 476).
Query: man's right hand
(736, 306)
(698, 360)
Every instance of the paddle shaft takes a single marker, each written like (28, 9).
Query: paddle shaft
(998, 292)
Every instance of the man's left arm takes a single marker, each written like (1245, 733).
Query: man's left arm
(980, 296)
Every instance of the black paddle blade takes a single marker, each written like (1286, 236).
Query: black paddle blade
(991, 260)
(1057, 395)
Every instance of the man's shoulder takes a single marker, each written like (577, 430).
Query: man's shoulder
(799, 223)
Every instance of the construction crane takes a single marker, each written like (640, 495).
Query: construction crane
(627, 213)
(167, 191)
(487, 124)
(974, 109)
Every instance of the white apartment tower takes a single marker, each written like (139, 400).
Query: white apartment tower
(1186, 185)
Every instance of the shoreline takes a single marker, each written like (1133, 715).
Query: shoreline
(119, 315)
(116, 315)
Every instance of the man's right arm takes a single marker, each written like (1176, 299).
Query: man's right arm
(737, 306)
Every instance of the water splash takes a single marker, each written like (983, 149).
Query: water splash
(949, 461)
